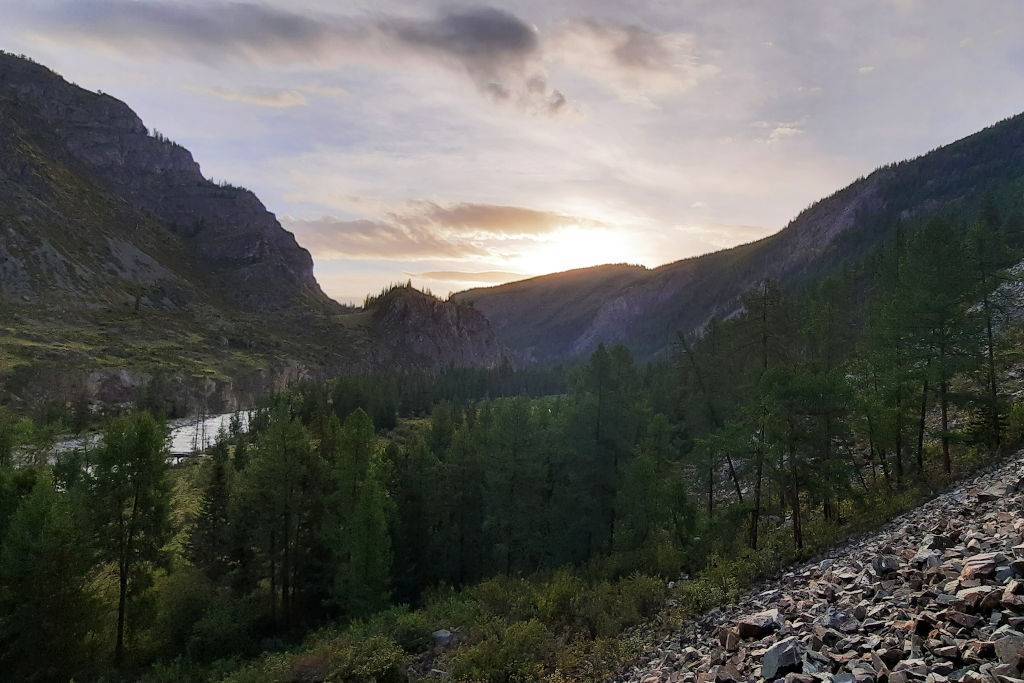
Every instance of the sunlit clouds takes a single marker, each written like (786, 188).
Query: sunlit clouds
(467, 144)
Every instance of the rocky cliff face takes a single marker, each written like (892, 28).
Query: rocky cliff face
(119, 260)
(231, 233)
(937, 595)
(565, 315)
(422, 329)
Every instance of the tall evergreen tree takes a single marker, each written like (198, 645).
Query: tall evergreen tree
(46, 608)
(130, 498)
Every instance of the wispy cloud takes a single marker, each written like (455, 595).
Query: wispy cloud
(500, 53)
(259, 97)
(426, 230)
(332, 238)
(721, 235)
(485, 277)
(490, 219)
(630, 59)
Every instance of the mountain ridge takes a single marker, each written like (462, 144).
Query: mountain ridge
(683, 296)
(121, 266)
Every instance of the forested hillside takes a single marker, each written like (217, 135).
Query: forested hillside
(521, 528)
(566, 315)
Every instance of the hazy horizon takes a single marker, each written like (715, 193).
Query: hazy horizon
(473, 144)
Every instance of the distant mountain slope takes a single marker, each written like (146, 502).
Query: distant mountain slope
(567, 314)
(120, 262)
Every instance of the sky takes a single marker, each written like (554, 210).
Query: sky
(467, 144)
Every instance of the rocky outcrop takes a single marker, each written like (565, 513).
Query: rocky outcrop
(422, 329)
(119, 260)
(937, 595)
(235, 238)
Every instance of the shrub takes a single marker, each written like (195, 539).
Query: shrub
(516, 653)
(377, 659)
(560, 601)
(412, 631)
(228, 627)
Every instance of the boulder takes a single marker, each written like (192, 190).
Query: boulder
(887, 565)
(758, 625)
(1010, 647)
(980, 566)
(782, 658)
(443, 638)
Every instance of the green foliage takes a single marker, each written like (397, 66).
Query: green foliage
(337, 659)
(129, 504)
(512, 653)
(46, 609)
(538, 529)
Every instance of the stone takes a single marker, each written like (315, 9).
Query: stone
(843, 622)
(782, 658)
(980, 566)
(886, 565)
(938, 596)
(1009, 648)
(935, 542)
(443, 638)
(758, 625)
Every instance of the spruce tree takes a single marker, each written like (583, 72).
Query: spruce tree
(130, 498)
(46, 608)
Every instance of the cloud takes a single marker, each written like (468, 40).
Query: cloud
(784, 131)
(499, 52)
(331, 238)
(488, 277)
(492, 220)
(723, 235)
(779, 130)
(633, 61)
(425, 230)
(259, 97)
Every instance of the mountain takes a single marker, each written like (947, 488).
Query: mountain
(564, 315)
(120, 261)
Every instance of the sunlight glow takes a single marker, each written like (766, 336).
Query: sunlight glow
(576, 247)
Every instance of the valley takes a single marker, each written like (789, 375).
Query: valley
(796, 459)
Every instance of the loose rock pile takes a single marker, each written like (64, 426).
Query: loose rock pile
(937, 595)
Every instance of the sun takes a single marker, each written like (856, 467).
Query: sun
(576, 247)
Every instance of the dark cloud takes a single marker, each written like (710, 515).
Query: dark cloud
(210, 32)
(499, 52)
(631, 58)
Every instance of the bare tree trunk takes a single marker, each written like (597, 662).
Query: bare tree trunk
(711, 484)
(875, 450)
(735, 479)
(920, 427)
(947, 463)
(755, 513)
(899, 437)
(122, 608)
(993, 393)
(712, 414)
(273, 577)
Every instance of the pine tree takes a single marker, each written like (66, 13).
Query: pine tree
(46, 609)
(357, 530)
(211, 543)
(130, 499)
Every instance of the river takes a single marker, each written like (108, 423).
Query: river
(187, 435)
